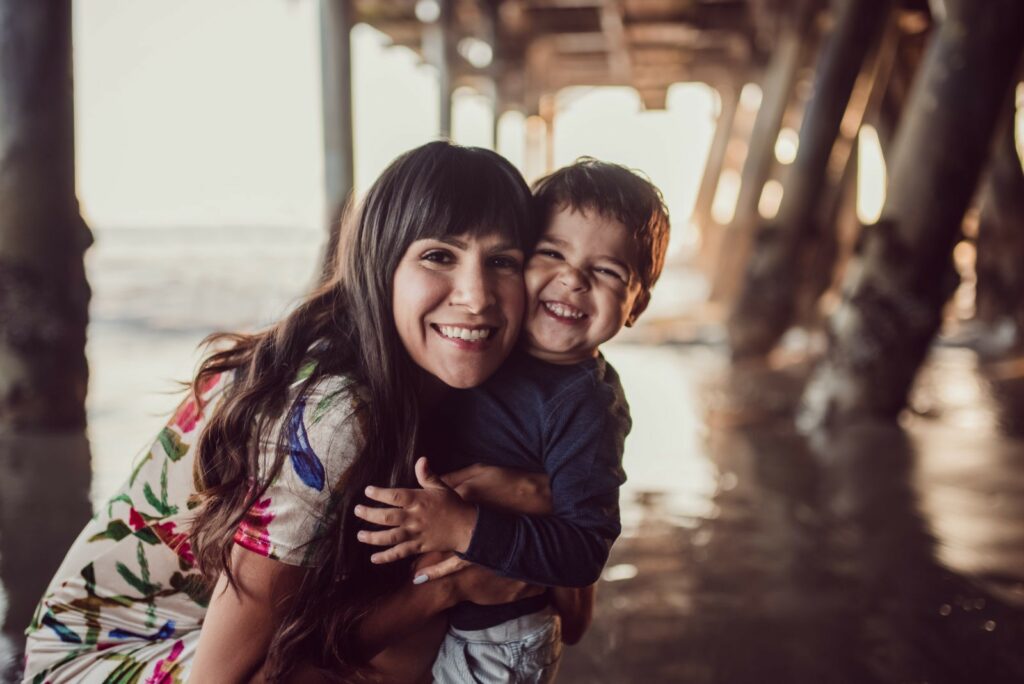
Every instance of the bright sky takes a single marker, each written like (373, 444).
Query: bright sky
(208, 113)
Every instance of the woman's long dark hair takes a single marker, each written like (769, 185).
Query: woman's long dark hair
(347, 327)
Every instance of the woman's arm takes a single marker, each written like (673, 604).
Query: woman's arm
(576, 608)
(240, 622)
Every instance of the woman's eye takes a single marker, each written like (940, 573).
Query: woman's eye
(550, 253)
(506, 262)
(438, 256)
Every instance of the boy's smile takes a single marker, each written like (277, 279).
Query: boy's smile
(581, 285)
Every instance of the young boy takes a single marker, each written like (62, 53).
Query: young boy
(557, 407)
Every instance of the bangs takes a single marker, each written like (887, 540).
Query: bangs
(473, 191)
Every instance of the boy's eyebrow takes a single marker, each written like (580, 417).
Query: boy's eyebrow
(561, 243)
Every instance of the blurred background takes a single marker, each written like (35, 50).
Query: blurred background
(826, 469)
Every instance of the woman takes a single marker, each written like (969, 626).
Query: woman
(251, 487)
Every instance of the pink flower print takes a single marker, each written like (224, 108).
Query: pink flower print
(187, 416)
(163, 669)
(166, 532)
(190, 412)
(252, 533)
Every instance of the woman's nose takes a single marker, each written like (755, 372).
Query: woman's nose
(473, 291)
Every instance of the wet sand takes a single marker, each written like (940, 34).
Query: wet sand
(879, 553)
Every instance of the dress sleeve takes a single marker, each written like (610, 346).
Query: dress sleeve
(584, 434)
(322, 435)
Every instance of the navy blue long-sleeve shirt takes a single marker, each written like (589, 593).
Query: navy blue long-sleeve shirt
(569, 421)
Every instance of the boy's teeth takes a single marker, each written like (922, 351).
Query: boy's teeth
(465, 333)
(563, 311)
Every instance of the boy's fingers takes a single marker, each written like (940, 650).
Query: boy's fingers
(395, 497)
(443, 569)
(395, 535)
(457, 477)
(399, 552)
(391, 517)
(426, 477)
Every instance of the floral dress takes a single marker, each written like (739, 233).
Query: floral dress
(127, 604)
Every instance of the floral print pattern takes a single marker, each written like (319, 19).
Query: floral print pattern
(127, 604)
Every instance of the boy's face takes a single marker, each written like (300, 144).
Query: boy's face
(582, 286)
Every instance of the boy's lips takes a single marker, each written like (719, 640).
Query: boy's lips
(563, 312)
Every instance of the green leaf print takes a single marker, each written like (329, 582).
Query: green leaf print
(140, 585)
(138, 466)
(122, 498)
(116, 530)
(305, 371)
(172, 444)
(129, 671)
(323, 405)
(160, 504)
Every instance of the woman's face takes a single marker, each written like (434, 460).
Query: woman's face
(458, 304)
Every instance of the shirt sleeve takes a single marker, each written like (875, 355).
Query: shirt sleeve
(585, 431)
(322, 436)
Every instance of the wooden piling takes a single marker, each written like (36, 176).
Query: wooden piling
(895, 293)
(44, 296)
(766, 305)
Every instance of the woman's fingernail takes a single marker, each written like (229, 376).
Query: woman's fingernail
(359, 510)
(419, 579)
(361, 536)
(369, 491)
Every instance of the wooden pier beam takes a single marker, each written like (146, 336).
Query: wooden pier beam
(1000, 261)
(777, 90)
(903, 275)
(336, 20)
(767, 302)
(44, 296)
(729, 98)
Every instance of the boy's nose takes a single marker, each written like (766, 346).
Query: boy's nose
(573, 278)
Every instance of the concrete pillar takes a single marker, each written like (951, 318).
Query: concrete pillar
(336, 20)
(894, 294)
(765, 307)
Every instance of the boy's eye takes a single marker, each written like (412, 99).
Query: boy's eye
(550, 253)
(612, 273)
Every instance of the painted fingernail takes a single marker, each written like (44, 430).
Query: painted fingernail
(419, 579)
(361, 536)
(369, 491)
(374, 559)
(359, 510)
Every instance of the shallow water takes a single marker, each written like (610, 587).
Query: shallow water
(750, 553)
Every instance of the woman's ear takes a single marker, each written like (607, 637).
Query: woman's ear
(639, 305)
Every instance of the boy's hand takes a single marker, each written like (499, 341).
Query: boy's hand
(434, 518)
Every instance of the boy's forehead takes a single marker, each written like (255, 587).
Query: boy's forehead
(595, 232)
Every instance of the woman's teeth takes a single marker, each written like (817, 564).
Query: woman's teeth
(455, 333)
(563, 311)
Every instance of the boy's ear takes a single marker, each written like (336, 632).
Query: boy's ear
(639, 305)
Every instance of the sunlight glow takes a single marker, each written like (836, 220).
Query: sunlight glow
(871, 176)
(786, 146)
(723, 208)
(771, 198)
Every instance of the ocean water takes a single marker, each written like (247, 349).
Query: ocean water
(157, 292)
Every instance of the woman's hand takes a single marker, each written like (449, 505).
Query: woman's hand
(512, 490)
(434, 518)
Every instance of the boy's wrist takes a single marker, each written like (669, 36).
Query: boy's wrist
(464, 528)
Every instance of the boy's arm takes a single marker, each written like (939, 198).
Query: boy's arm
(584, 436)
